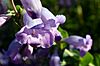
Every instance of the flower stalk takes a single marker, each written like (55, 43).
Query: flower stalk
(14, 7)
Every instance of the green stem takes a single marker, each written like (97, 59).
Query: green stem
(14, 7)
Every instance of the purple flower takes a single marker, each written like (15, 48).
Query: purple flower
(13, 50)
(55, 59)
(83, 44)
(49, 24)
(31, 22)
(50, 20)
(39, 37)
(39, 32)
(33, 7)
(47, 16)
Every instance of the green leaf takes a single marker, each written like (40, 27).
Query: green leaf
(86, 60)
(63, 45)
(10, 13)
(63, 32)
(67, 52)
(19, 9)
(97, 59)
(91, 64)
(63, 63)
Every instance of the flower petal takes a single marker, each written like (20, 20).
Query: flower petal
(31, 22)
(33, 40)
(75, 40)
(28, 50)
(83, 44)
(46, 15)
(32, 5)
(22, 38)
(60, 19)
(13, 49)
(46, 39)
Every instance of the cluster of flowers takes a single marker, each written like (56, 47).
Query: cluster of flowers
(40, 30)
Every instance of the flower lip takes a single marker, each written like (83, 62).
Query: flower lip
(35, 37)
(60, 19)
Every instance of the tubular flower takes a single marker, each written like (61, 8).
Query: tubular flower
(37, 36)
(38, 32)
(33, 7)
(83, 44)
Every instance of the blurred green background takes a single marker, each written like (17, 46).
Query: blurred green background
(82, 17)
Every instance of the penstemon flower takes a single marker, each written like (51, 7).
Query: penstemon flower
(83, 44)
(39, 32)
(38, 35)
